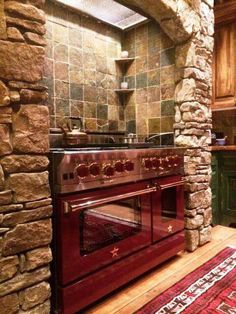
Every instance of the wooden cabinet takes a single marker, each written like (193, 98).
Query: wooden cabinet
(228, 190)
(224, 64)
(224, 188)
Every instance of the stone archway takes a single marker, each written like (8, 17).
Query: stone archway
(190, 24)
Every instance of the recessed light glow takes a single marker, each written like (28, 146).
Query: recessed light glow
(108, 11)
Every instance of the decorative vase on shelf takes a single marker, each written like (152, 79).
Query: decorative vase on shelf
(124, 85)
(124, 54)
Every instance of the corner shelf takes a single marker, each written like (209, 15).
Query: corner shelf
(124, 91)
(124, 60)
(124, 64)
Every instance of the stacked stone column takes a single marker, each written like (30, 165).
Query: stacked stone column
(193, 124)
(25, 203)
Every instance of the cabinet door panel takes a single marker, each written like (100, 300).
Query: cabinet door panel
(225, 61)
(224, 72)
(228, 198)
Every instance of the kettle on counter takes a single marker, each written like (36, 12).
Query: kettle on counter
(73, 135)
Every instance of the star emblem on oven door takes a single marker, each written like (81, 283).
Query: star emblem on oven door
(114, 252)
(170, 228)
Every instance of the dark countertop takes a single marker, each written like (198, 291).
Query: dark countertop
(219, 148)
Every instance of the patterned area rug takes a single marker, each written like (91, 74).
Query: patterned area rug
(209, 289)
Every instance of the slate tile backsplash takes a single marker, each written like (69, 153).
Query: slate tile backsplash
(152, 75)
(81, 74)
(80, 71)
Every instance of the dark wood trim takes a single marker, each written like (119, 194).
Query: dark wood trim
(225, 12)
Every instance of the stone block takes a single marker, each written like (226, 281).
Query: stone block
(21, 281)
(24, 163)
(36, 204)
(14, 96)
(35, 39)
(199, 199)
(194, 223)
(14, 34)
(10, 208)
(28, 186)
(205, 235)
(187, 141)
(4, 230)
(13, 219)
(194, 187)
(31, 129)
(5, 197)
(25, 85)
(35, 295)
(9, 304)
(2, 179)
(19, 61)
(36, 258)
(185, 90)
(5, 142)
(191, 240)
(41, 309)
(4, 95)
(27, 11)
(9, 267)
(28, 96)
(207, 214)
(27, 236)
(3, 32)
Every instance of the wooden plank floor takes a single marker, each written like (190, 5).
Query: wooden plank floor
(135, 295)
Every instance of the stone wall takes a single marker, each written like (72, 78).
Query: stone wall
(25, 203)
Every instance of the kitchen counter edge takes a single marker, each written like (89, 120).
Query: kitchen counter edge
(219, 148)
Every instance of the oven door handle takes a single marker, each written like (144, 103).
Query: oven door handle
(170, 185)
(73, 206)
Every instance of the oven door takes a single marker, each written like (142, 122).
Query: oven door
(99, 227)
(168, 207)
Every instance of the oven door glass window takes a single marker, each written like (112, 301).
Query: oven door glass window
(109, 223)
(168, 204)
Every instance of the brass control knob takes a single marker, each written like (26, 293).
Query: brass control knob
(108, 170)
(165, 162)
(156, 163)
(129, 165)
(147, 162)
(119, 166)
(82, 171)
(94, 169)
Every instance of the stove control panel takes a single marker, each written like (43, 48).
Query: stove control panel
(85, 170)
(161, 163)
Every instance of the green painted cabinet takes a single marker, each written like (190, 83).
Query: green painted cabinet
(224, 188)
(215, 189)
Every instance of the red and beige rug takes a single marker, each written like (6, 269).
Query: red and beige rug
(209, 289)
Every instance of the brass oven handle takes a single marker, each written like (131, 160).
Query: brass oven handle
(70, 207)
(170, 185)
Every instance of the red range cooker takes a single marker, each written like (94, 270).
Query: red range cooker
(117, 214)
